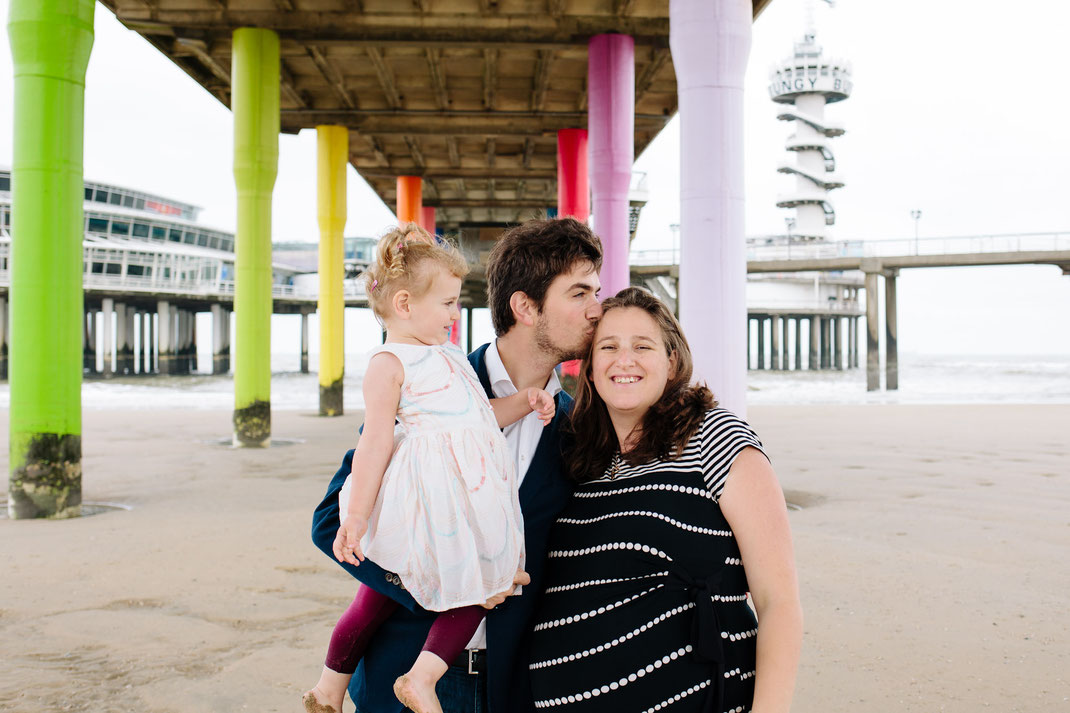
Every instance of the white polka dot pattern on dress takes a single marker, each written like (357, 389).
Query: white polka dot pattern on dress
(607, 547)
(594, 612)
(608, 645)
(623, 681)
(597, 582)
(648, 513)
(682, 694)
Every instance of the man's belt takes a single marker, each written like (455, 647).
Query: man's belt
(473, 661)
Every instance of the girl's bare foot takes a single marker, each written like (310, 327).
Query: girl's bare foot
(312, 698)
(417, 694)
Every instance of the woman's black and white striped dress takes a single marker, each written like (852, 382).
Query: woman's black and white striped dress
(645, 608)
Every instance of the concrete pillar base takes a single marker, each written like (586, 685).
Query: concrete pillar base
(252, 425)
(331, 399)
(49, 483)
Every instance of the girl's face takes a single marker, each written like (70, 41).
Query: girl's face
(431, 316)
(629, 366)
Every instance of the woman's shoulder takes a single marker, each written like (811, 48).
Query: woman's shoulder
(721, 424)
(722, 436)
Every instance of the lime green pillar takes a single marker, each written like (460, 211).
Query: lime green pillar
(255, 103)
(332, 144)
(50, 45)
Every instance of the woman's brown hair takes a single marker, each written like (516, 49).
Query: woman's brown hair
(401, 261)
(669, 424)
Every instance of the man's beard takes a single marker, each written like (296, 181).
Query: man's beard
(559, 353)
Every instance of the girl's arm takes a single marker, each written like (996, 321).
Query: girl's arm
(382, 391)
(510, 409)
(753, 504)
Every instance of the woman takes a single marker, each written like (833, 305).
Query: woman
(676, 516)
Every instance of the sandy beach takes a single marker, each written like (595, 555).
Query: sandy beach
(931, 544)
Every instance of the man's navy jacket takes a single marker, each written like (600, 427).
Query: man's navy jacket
(543, 494)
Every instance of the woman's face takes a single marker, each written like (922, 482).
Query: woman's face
(629, 366)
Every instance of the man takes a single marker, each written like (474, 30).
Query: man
(542, 287)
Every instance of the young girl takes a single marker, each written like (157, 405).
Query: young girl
(434, 497)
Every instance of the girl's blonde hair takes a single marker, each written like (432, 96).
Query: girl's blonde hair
(403, 260)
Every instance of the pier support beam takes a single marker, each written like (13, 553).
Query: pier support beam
(166, 351)
(761, 342)
(50, 46)
(332, 156)
(150, 346)
(304, 342)
(839, 342)
(182, 343)
(785, 344)
(814, 362)
(825, 351)
(255, 104)
(3, 338)
(851, 326)
(107, 310)
(713, 270)
(89, 342)
(611, 135)
(798, 343)
(873, 357)
(123, 352)
(220, 336)
(774, 343)
(891, 331)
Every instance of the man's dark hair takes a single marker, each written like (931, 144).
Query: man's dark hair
(528, 257)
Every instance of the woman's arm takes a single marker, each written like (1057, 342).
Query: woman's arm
(382, 391)
(753, 504)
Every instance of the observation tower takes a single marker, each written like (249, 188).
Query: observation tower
(805, 82)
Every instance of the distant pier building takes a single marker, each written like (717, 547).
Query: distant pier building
(149, 267)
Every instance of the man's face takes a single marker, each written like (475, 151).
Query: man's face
(565, 325)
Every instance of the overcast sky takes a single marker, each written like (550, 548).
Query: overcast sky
(958, 110)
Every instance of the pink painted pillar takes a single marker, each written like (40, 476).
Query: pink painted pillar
(611, 130)
(427, 218)
(573, 188)
(710, 41)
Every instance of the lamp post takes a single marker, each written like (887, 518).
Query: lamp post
(790, 223)
(916, 215)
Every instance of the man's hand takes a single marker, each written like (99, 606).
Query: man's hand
(519, 579)
(543, 404)
(347, 541)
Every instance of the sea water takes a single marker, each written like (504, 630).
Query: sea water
(923, 379)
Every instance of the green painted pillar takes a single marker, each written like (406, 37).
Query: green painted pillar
(50, 45)
(255, 103)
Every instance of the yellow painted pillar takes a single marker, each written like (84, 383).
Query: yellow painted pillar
(332, 153)
(255, 103)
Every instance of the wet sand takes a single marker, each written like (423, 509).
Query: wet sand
(932, 548)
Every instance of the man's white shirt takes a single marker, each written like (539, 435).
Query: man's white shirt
(522, 437)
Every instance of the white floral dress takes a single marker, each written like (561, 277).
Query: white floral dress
(447, 519)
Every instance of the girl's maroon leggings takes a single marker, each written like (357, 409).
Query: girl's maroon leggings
(449, 634)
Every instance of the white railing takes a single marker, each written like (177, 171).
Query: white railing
(963, 245)
(804, 305)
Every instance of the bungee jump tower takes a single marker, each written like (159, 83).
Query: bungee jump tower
(823, 305)
(805, 82)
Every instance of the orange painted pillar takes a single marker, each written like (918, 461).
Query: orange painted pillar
(410, 199)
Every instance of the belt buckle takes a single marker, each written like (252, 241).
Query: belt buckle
(472, 661)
